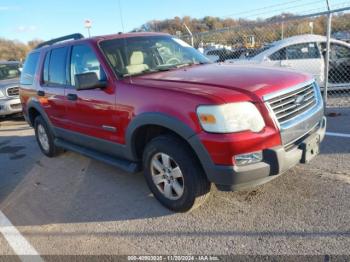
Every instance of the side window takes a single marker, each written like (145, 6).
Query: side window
(279, 55)
(340, 51)
(46, 68)
(57, 66)
(84, 60)
(302, 51)
(29, 68)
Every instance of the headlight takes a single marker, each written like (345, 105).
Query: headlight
(229, 118)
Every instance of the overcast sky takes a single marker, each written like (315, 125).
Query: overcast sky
(29, 19)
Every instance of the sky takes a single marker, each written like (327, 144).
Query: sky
(26, 20)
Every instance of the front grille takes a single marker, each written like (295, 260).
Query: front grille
(16, 106)
(13, 91)
(292, 104)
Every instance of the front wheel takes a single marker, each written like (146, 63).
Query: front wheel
(174, 175)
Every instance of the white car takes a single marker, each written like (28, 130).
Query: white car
(306, 53)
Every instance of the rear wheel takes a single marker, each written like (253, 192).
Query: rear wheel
(174, 175)
(44, 137)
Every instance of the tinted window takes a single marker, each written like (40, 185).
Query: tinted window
(214, 52)
(46, 68)
(279, 55)
(57, 66)
(28, 71)
(340, 51)
(84, 60)
(302, 51)
(9, 71)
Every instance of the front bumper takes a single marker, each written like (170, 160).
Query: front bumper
(10, 106)
(275, 161)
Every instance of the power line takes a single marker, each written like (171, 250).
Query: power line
(283, 9)
(263, 8)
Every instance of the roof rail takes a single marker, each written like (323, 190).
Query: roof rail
(60, 39)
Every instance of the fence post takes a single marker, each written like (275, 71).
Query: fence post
(328, 50)
(190, 33)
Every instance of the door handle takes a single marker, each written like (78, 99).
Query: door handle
(72, 97)
(40, 93)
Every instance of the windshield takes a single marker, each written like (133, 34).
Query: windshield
(147, 54)
(255, 52)
(9, 71)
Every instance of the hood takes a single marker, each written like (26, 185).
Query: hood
(222, 79)
(9, 83)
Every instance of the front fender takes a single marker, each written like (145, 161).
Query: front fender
(154, 118)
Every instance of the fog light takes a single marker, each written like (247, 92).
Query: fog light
(246, 159)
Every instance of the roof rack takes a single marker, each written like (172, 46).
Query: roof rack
(60, 39)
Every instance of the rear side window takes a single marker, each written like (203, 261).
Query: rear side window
(28, 72)
(57, 66)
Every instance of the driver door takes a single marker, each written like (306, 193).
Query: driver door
(90, 113)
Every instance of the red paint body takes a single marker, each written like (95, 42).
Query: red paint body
(176, 93)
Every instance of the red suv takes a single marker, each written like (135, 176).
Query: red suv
(151, 102)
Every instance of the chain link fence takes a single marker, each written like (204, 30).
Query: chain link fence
(318, 44)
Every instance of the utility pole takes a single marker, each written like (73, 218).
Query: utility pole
(88, 25)
(311, 25)
(328, 50)
(190, 33)
(282, 31)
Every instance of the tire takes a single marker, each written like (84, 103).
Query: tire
(189, 188)
(45, 138)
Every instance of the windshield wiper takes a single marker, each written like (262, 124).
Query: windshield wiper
(168, 67)
(164, 68)
(147, 71)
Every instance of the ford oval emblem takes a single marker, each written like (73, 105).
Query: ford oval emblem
(299, 100)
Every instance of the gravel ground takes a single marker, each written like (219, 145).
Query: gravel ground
(74, 205)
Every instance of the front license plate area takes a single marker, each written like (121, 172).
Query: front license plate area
(311, 148)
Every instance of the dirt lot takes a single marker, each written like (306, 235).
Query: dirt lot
(75, 205)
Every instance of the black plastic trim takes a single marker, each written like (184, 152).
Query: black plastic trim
(123, 164)
(93, 143)
(60, 39)
(33, 103)
(158, 119)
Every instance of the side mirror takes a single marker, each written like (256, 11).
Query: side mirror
(86, 81)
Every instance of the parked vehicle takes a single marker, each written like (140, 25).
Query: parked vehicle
(221, 55)
(9, 88)
(149, 101)
(306, 53)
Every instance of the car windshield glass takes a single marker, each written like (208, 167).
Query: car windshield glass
(148, 54)
(9, 71)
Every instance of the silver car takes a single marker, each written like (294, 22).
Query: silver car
(9, 88)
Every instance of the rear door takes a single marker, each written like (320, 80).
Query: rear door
(53, 82)
(90, 113)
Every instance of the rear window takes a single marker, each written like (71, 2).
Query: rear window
(29, 68)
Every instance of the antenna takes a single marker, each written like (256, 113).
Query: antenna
(121, 15)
